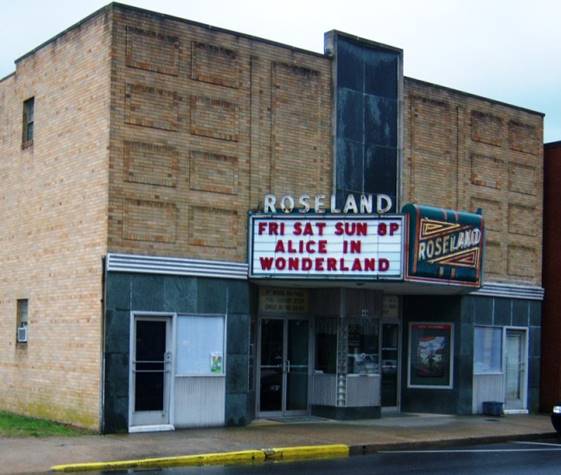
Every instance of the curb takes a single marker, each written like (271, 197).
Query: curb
(307, 452)
(244, 456)
(287, 453)
(221, 458)
(366, 449)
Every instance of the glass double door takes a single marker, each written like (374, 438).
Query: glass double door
(283, 366)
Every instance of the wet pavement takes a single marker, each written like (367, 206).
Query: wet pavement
(541, 456)
(29, 455)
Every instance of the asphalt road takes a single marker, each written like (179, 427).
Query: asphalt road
(535, 457)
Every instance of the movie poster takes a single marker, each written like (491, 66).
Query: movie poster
(430, 355)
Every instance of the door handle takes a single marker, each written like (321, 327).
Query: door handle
(288, 366)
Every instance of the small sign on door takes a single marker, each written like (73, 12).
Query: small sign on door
(216, 363)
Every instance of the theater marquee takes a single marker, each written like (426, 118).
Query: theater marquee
(326, 246)
(445, 246)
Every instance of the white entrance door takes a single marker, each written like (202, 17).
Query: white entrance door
(151, 364)
(515, 370)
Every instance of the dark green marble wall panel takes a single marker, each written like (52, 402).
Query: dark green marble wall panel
(126, 293)
(180, 294)
(535, 313)
(237, 413)
(443, 401)
(502, 315)
(238, 333)
(520, 313)
(148, 293)
(482, 309)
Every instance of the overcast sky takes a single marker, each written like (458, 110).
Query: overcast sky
(506, 50)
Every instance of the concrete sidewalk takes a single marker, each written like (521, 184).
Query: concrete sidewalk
(29, 455)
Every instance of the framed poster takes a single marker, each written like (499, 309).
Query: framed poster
(431, 354)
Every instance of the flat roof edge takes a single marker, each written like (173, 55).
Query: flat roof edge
(555, 144)
(8, 76)
(170, 17)
(63, 32)
(488, 99)
(218, 29)
(366, 41)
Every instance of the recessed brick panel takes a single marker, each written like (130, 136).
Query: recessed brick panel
(213, 227)
(152, 51)
(431, 125)
(154, 221)
(213, 173)
(521, 261)
(295, 129)
(435, 173)
(151, 107)
(215, 65)
(151, 164)
(488, 172)
(494, 261)
(522, 179)
(215, 118)
(522, 220)
(486, 128)
(523, 137)
(492, 212)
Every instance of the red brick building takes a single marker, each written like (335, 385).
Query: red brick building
(551, 325)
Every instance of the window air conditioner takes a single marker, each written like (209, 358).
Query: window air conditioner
(22, 334)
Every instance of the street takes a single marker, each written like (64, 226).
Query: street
(524, 457)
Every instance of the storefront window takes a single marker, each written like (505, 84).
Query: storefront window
(487, 350)
(200, 346)
(326, 345)
(362, 356)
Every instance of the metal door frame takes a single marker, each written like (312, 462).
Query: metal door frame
(283, 412)
(169, 319)
(392, 321)
(524, 379)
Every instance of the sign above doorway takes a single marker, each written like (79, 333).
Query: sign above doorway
(326, 247)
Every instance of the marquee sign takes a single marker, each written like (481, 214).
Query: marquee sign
(445, 246)
(325, 246)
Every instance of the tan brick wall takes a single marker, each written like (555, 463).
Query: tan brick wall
(53, 205)
(464, 152)
(204, 123)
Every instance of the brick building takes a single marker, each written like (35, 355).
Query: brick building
(136, 294)
(551, 331)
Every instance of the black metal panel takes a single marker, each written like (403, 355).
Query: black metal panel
(351, 159)
(350, 115)
(379, 169)
(380, 124)
(380, 77)
(367, 120)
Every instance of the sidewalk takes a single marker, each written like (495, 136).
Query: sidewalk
(28, 455)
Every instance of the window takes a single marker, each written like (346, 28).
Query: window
(326, 345)
(362, 353)
(22, 320)
(487, 350)
(28, 117)
(200, 346)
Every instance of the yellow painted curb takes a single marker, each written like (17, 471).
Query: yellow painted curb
(307, 452)
(243, 456)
